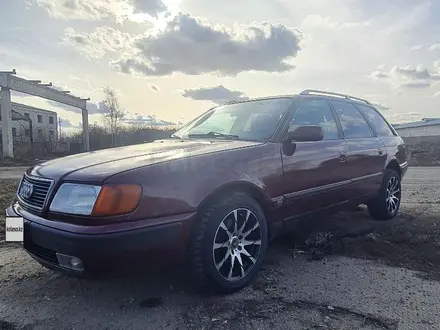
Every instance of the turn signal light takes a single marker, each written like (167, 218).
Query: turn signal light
(117, 200)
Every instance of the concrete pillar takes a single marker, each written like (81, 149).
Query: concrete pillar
(5, 104)
(85, 124)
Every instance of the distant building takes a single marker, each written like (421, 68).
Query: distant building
(425, 127)
(44, 122)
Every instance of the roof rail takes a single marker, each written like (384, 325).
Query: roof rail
(348, 97)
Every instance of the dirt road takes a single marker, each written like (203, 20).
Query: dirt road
(351, 273)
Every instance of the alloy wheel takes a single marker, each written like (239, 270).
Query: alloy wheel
(237, 244)
(393, 194)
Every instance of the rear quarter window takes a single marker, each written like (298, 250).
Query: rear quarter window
(353, 123)
(376, 120)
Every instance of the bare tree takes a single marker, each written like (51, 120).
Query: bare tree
(112, 113)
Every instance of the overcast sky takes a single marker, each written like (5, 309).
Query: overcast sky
(172, 60)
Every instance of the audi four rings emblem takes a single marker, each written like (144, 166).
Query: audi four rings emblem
(26, 190)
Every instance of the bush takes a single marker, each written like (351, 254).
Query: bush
(100, 138)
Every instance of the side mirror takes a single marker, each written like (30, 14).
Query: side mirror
(307, 133)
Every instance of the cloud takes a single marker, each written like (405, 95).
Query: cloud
(379, 74)
(79, 9)
(434, 47)
(95, 10)
(129, 118)
(380, 106)
(415, 84)
(218, 94)
(140, 119)
(154, 87)
(190, 46)
(415, 72)
(66, 123)
(95, 108)
(408, 76)
(325, 22)
(150, 7)
(97, 43)
(417, 47)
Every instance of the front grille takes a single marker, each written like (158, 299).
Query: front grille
(40, 191)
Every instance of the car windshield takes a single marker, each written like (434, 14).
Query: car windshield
(253, 120)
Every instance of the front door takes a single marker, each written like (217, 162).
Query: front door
(315, 176)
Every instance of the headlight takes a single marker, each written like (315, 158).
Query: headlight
(75, 198)
(81, 199)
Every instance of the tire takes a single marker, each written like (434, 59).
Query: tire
(385, 206)
(217, 244)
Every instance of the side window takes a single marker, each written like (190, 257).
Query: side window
(316, 112)
(379, 124)
(353, 123)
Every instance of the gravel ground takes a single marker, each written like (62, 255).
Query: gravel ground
(339, 272)
(12, 173)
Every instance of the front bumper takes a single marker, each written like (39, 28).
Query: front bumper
(99, 251)
(403, 168)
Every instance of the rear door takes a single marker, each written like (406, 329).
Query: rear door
(367, 153)
(393, 143)
(315, 175)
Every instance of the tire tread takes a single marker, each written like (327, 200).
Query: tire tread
(377, 207)
(196, 247)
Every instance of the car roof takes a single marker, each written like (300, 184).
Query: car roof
(311, 93)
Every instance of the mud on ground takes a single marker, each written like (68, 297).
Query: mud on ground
(404, 242)
(344, 271)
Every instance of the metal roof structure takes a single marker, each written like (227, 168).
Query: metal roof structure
(9, 81)
(422, 123)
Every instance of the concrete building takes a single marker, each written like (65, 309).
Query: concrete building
(44, 122)
(10, 82)
(425, 127)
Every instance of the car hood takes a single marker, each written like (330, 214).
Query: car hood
(96, 166)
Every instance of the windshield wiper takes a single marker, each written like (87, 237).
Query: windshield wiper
(214, 135)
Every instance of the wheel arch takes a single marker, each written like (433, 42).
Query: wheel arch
(246, 187)
(394, 165)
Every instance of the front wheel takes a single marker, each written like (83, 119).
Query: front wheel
(229, 243)
(386, 205)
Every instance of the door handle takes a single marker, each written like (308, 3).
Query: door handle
(380, 151)
(342, 157)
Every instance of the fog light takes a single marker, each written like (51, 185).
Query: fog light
(70, 262)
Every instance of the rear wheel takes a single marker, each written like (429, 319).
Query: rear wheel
(229, 243)
(386, 205)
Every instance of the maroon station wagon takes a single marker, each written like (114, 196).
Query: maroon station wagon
(216, 191)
